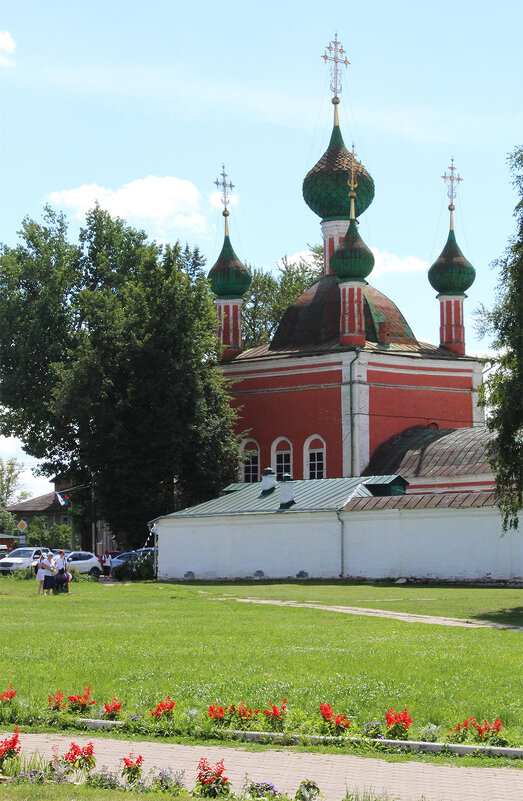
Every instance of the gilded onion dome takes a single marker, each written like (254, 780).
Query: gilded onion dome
(451, 273)
(352, 260)
(325, 186)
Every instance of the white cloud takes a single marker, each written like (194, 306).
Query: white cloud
(11, 448)
(392, 263)
(166, 203)
(7, 49)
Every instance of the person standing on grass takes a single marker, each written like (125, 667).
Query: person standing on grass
(107, 563)
(49, 568)
(40, 574)
(62, 585)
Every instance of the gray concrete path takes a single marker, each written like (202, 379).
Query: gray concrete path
(406, 617)
(334, 773)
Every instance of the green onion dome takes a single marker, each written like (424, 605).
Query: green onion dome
(229, 277)
(451, 273)
(325, 186)
(352, 260)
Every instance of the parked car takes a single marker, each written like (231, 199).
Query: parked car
(56, 551)
(145, 551)
(84, 562)
(126, 556)
(21, 558)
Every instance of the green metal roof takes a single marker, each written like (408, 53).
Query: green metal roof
(328, 494)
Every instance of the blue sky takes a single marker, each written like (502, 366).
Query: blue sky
(138, 105)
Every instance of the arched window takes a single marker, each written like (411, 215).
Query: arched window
(281, 457)
(250, 461)
(314, 457)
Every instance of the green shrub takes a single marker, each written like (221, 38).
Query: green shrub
(140, 570)
(23, 575)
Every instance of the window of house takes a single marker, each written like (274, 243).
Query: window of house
(281, 457)
(314, 461)
(250, 465)
(283, 463)
(316, 464)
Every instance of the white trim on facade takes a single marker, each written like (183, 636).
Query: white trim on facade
(306, 455)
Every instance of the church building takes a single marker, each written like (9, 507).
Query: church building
(344, 388)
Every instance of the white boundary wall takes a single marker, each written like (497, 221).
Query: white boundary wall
(450, 544)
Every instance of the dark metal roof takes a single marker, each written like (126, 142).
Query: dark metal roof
(433, 452)
(42, 503)
(314, 318)
(443, 500)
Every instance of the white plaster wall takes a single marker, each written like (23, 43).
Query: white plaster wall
(435, 543)
(238, 545)
(449, 544)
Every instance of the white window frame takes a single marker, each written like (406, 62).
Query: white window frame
(274, 450)
(306, 455)
(249, 445)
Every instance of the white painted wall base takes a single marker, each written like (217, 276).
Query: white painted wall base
(448, 544)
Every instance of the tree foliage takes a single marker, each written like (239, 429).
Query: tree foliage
(107, 368)
(502, 391)
(56, 536)
(10, 470)
(271, 294)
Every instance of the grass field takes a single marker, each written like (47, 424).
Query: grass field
(141, 642)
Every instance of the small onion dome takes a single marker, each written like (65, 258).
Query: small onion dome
(352, 260)
(451, 273)
(325, 186)
(229, 277)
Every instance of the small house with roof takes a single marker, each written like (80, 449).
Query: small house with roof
(357, 527)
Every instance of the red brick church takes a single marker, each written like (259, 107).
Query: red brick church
(345, 388)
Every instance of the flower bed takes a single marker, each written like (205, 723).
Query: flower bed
(273, 721)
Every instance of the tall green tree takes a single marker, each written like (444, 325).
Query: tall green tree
(10, 470)
(270, 294)
(502, 391)
(116, 336)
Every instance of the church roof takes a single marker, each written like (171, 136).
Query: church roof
(433, 452)
(314, 318)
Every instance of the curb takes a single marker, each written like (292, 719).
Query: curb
(318, 739)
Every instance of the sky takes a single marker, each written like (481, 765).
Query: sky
(138, 105)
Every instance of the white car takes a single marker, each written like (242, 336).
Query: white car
(84, 562)
(21, 558)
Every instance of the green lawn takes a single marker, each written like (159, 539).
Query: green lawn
(141, 642)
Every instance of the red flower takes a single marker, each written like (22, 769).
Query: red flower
(77, 703)
(164, 708)
(112, 708)
(274, 713)
(10, 746)
(56, 702)
(8, 695)
(336, 722)
(402, 719)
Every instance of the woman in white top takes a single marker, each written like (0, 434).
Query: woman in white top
(49, 578)
(40, 574)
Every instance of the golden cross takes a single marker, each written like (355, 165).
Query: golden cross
(225, 188)
(334, 53)
(451, 180)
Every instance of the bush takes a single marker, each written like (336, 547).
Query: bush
(140, 570)
(22, 575)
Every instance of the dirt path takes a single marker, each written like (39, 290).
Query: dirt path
(406, 617)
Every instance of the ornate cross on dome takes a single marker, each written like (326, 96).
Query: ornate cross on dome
(453, 182)
(334, 53)
(225, 188)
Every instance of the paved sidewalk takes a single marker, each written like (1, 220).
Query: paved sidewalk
(406, 617)
(334, 773)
